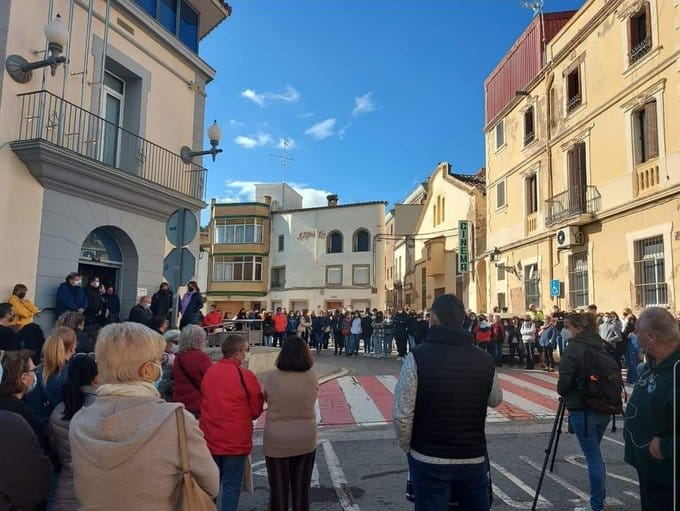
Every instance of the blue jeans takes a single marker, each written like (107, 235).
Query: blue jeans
(353, 343)
(589, 427)
(434, 486)
(231, 478)
(632, 361)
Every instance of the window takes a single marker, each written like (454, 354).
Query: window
(334, 275)
(362, 241)
(578, 280)
(646, 133)
(639, 34)
(574, 96)
(500, 272)
(113, 107)
(531, 187)
(500, 134)
(278, 279)
(443, 209)
(532, 289)
(183, 26)
(238, 230)
(500, 298)
(237, 268)
(500, 195)
(650, 272)
(529, 134)
(281, 243)
(361, 275)
(334, 243)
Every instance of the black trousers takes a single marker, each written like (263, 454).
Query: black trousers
(290, 476)
(401, 344)
(654, 497)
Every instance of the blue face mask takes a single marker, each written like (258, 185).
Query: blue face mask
(160, 376)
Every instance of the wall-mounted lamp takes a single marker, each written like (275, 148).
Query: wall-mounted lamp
(495, 254)
(56, 34)
(215, 135)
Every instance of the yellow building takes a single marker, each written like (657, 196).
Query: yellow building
(239, 236)
(438, 242)
(583, 160)
(90, 146)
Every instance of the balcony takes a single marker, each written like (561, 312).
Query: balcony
(573, 102)
(639, 50)
(67, 148)
(647, 178)
(579, 201)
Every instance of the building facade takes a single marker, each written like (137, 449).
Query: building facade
(583, 161)
(91, 170)
(438, 243)
(327, 257)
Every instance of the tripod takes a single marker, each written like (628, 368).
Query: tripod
(551, 450)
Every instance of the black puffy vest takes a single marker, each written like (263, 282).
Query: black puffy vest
(454, 382)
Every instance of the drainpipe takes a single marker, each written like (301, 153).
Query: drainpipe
(549, 166)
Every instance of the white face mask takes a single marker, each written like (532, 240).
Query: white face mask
(77, 282)
(95, 283)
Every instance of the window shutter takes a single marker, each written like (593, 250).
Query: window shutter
(651, 130)
(648, 24)
(633, 37)
(581, 161)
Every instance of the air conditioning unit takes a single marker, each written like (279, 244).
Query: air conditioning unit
(569, 236)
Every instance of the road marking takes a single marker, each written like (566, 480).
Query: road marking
(338, 479)
(518, 482)
(333, 405)
(389, 381)
(527, 405)
(315, 476)
(317, 411)
(362, 406)
(381, 397)
(632, 494)
(572, 459)
(566, 484)
(529, 386)
(516, 504)
(543, 376)
(618, 442)
(259, 468)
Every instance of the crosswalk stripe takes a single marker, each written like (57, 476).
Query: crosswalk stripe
(528, 386)
(333, 405)
(379, 394)
(530, 378)
(363, 408)
(518, 482)
(545, 376)
(389, 381)
(527, 405)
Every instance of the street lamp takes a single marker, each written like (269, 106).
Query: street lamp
(56, 34)
(215, 135)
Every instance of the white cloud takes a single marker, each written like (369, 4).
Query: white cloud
(290, 95)
(306, 115)
(234, 122)
(311, 197)
(246, 142)
(287, 143)
(342, 131)
(321, 130)
(363, 104)
(258, 140)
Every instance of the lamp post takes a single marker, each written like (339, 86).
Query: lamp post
(57, 35)
(214, 135)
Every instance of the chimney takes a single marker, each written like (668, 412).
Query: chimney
(267, 200)
(332, 200)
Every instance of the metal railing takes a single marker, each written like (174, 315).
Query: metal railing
(48, 117)
(573, 102)
(639, 50)
(578, 200)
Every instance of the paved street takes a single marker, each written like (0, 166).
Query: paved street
(360, 467)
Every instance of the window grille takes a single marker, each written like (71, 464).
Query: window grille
(650, 273)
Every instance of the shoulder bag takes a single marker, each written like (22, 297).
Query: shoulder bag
(247, 484)
(189, 496)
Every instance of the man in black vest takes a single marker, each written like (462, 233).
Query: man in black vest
(440, 406)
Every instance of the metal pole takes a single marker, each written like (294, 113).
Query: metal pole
(178, 268)
(558, 420)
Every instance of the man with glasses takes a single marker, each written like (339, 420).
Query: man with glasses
(652, 416)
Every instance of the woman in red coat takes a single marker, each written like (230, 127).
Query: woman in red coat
(232, 400)
(191, 364)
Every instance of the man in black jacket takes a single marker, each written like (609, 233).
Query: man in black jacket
(141, 312)
(441, 426)
(161, 302)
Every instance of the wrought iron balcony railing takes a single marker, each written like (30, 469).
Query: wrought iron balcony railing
(578, 200)
(573, 102)
(50, 118)
(639, 50)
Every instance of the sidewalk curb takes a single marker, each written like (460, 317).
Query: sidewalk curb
(335, 374)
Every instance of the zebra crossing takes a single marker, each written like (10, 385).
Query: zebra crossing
(367, 400)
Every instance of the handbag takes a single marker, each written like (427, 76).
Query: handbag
(247, 485)
(189, 496)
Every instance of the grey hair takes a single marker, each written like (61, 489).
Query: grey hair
(192, 338)
(172, 335)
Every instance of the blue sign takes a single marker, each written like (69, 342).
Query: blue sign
(555, 287)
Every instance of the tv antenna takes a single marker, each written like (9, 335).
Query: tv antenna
(284, 158)
(535, 5)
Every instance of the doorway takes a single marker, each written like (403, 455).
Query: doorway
(330, 305)
(108, 275)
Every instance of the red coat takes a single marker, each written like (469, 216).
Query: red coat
(227, 411)
(188, 377)
(280, 322)
(212, 319)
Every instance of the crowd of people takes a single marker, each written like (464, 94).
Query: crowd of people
(97, 402)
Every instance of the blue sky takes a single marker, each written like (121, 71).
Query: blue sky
(369, 94)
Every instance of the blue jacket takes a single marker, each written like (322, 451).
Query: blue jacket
(45, 397)
(70, 298)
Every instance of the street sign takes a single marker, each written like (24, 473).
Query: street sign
(463, 246)
(555, 287)
(179, 267)
(181, 227)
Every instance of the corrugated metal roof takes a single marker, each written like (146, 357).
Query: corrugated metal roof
(521, 63)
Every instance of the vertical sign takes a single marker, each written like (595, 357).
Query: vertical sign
(463, 245)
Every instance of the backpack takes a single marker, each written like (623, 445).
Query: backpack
(601, 385)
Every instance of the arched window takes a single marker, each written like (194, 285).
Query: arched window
(362, 241)
(334, 242)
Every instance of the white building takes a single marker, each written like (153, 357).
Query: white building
(327, 257)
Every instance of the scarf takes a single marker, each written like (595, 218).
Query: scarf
(132, 389)
(185, 301)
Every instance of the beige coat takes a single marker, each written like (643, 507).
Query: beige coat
(290, 429)
(125, 454)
